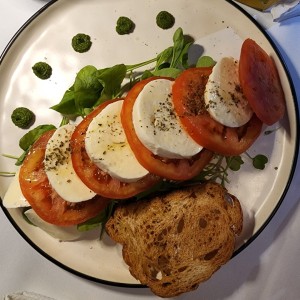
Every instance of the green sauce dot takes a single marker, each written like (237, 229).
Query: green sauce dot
(81, 42)
(165, 20)
(22, 117)
(124, 25)
(42, 70)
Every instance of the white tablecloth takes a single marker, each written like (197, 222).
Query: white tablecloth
(268, 269)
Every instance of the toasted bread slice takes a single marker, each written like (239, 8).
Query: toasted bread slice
(175, 241)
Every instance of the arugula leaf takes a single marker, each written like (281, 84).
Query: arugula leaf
(83, 94)
(67, 104)
(87, 89)
(91, 223)
(179, 45)
(205, 61)
(111, 80)
(25, 216)
(167, 72)
(180, 50)
(164, 58)
(183, 58)
(99, 220)
(93, 86)
(29, 138)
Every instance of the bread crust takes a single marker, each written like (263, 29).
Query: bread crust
(175, 241)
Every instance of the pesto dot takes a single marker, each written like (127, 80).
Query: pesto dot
(124, 25)
(42, 70)
(81, 42)
(22, 117)
(165, 20)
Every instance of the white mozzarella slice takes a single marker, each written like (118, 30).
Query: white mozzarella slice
(223, 96)
(107, 145)
(59, 167)
(62, 233)
(157, 125)
(14, 198)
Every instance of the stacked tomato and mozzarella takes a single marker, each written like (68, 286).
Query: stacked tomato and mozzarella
(163, 129)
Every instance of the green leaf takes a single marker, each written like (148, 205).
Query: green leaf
(146, 74)
(183, 58)
(91, 223)
(167, 72)
(67, 104)
(164, 58)
(259, 161)
(179, 45)
(21, 158)
(99, 220)
(31, 136)
(234, 162)
(25, 216)
(87, 88)
(111, 79)
(205, 61)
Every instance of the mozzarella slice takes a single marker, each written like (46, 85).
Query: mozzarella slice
(62, 233)
(107, 146)
(223, 96)
(156, 124)
(14, 198)
(59, 168)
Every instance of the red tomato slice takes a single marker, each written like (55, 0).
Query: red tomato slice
(174, 169)
(42, 197)
(96, 179)
(188, 99)
(260, 82)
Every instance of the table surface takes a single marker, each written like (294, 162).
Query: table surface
(267, 269)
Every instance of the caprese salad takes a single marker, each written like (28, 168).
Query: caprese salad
(163, 129)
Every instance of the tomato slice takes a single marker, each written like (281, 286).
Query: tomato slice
(42, 197)
(261, 83)
(188, 98)
(174, 169)
(95, 178)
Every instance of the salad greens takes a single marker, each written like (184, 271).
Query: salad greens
(99, 220)
(205, 61)
(29, 138)
(259, 161)
(93, 86)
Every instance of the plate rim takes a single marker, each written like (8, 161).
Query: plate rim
(252, 238)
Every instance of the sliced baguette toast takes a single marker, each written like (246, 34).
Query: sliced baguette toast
(175, 241)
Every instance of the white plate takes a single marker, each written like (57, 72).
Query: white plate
(47, 37)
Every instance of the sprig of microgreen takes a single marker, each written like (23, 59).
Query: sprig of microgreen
(217, 169)
(259, 161)
(270, 131)
(9, 156)
(8, 174)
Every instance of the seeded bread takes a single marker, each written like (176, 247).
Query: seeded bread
(175, 241)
